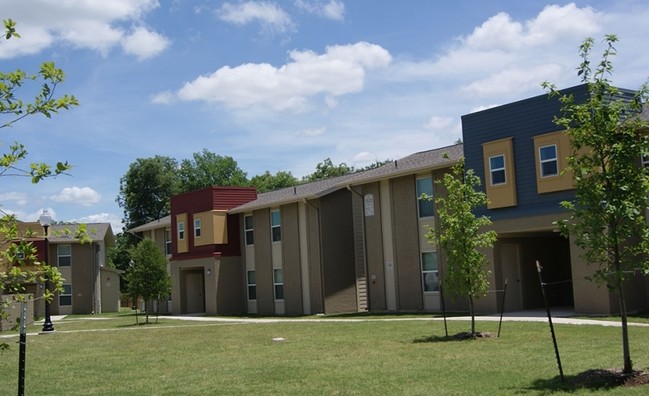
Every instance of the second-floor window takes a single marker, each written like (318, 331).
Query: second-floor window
(167, 241)
(497, 169)
(63, 255)
(276, 225)
(197, 228)
(181, 231)
(249, 230)
(425, 206)
(548, 160)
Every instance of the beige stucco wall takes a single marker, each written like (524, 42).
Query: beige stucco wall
(374, 251)
(263, 262)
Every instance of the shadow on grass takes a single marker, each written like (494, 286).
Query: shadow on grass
(590, 380)
(464, 336)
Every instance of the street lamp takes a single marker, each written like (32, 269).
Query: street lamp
(46, 220)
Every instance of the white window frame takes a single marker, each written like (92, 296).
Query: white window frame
(420, 201)
(168, 244)
(249, 231)
(60, 255)
(197, 228)
(545, 161)
(502, 169)
(181, 230)
(277, 226)
(425, 272)
(251, 285)
(278, 285)
(65, 293)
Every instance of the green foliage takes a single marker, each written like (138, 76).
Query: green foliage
(460, 234)
(269, 182)
(148, 277)
(207, 169)
(326, 170)
(607, 216)
(146, 189)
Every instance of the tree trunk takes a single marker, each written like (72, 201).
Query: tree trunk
(472, 315)
(628, 365)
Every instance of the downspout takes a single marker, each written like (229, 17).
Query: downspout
(322, 295)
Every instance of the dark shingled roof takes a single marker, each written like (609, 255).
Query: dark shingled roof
(162, 222)
(425, 160)
(96, 231)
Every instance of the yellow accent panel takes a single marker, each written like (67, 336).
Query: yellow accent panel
(182, 245)
(562, 181)
(501, 195)
(214, 228)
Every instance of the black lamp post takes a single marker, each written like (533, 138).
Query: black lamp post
(45, 221)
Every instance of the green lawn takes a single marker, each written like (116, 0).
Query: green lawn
(406, 357)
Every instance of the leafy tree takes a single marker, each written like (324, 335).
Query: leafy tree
(460, 234)
(607, 216)
(148, 277)
(18, 261)
(374, 165)
(146, 189)
(326, 169)
(119, 256)
(268, 182)
(207, 169)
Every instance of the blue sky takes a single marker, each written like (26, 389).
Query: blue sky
(282, 85)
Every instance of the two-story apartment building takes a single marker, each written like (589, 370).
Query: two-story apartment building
(520, 154)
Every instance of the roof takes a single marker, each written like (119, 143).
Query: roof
(425, 160)
(97, 232)
(160, 223)
(294, 194)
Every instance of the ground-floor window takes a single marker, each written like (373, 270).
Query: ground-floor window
(430, 271)
(278, 283)
(252, 285)
(65, 297)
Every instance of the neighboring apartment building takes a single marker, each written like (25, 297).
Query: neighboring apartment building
(520, 154)
(89, 285)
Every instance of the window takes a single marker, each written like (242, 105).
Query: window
(645, 161)
(430, 271)
(167, 241)
(548, 160)
(276, 225)
(181, 231)
(497, 169)
(252, 285)
(65, 297)
(425, 206)
(197, 228)
(249, 230)
(63, 255)
(278, 283)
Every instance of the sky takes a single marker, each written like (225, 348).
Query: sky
(281, 85)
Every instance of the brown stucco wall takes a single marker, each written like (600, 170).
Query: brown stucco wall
(314, 254)
(229, 285)
(291, 260)
(406, 243)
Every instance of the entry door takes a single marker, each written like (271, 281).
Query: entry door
(195, 292)
(510, 263)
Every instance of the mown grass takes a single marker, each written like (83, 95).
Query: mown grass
(397, 357)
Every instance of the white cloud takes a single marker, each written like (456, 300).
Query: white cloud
(339, 71)
(13, 196)
(272, 17)
(144, 44)
(94, 25)
(513, 79)
(85, 196)
(332, 9)
(438, 122)
(313, 132)
(166, 97)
